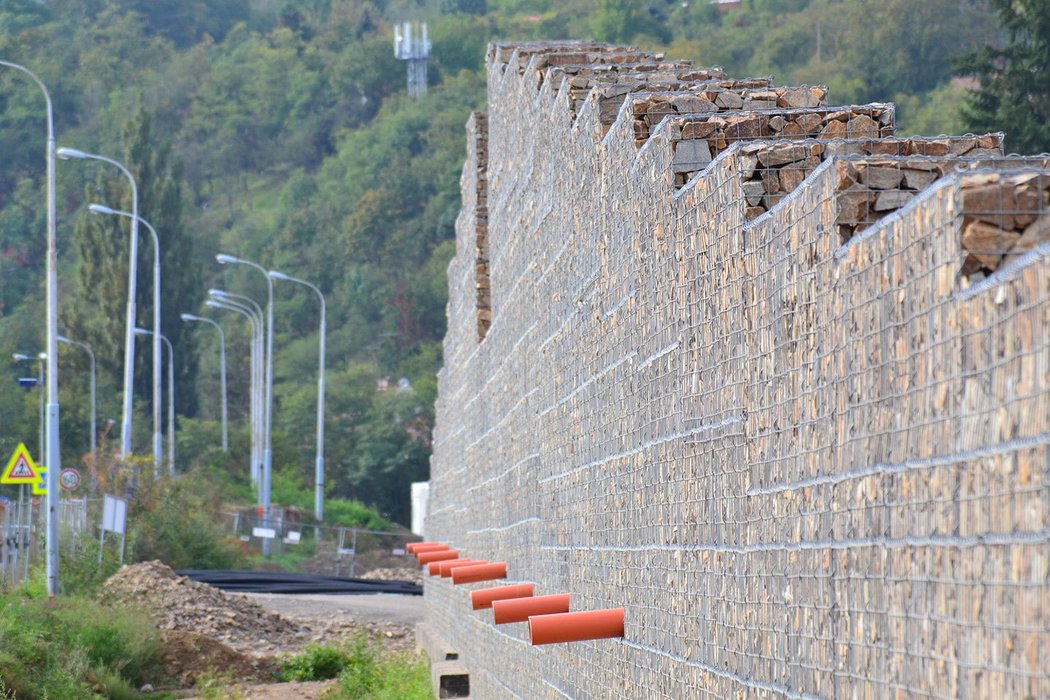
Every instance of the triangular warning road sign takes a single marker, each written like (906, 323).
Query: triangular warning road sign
(20, 468)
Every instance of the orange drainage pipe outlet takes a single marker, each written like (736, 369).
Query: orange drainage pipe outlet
(576, 626)
(483, 598)
(427, 557)
(521, 609)
(431, 548)
(445, 568)
(481, 572)
(411, 547)
(434, 567)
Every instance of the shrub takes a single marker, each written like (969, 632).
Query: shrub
(316, 663)
(71, 647)
(374, 676)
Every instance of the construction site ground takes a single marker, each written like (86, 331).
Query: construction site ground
(236, 639)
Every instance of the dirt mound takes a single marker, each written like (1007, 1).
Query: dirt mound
(188, 656)
(177, 603)
(415, 575)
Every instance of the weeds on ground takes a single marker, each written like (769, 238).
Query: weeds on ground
(315, 663)
(219, 686)
(71, 647)
(372, 675)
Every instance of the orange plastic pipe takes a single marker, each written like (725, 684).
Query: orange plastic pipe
(427, 557)
(481, 572)
(520, 609)
(483, 598)
(434, 567)
(436, 547)
(411, 547)
(445, 567)
(576, 626)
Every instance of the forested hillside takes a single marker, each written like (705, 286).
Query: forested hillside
(279, 131)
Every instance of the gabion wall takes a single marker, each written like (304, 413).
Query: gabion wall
(809, 458)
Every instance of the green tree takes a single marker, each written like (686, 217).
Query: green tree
(97, 313)
(622, 20)
(1014, 92)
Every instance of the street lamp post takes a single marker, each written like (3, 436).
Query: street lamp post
(258, 378)
(91, 355)
(319, 461)
(268, 408)
(255, 395)
(220, 301)
(171, 398)
(52, 341)
(129, 338)
(157, 449)
(222, 374)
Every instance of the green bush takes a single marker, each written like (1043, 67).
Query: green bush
(172, 523)
(354, 514)
(371, 675)
(316, 663)
(71, 647)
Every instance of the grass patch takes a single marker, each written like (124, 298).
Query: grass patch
(72, 647)
(316, 663)
(372, 675)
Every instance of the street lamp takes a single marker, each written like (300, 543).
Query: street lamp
(157, 450)
(268, 428)
(319, 462)
(86, 347)
(257, 370)
(52, 341)
(222, 373)
(171, 398)
(133, 256)
(20, 357)
(219, 301)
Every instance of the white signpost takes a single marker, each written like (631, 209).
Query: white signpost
(114, 517)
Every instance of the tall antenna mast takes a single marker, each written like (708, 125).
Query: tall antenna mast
(411, 44)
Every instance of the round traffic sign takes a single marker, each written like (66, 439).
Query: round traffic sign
(69, 479)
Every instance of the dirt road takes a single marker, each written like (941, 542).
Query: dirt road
(391, 617)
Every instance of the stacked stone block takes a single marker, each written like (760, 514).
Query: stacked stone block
(805, 466)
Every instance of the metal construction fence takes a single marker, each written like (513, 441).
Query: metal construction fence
(325, 549)
(22, 531)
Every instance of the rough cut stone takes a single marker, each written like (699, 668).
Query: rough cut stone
(880, 178)
(889, 200)
(862, 126)
(834, 130)
(799, 98)
(729, 100)
(988, 243)
(691, 104)
(691, 155)
(782, 154)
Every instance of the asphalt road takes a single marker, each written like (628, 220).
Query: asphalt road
(400, 609)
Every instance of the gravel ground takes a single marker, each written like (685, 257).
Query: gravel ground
(243, 633)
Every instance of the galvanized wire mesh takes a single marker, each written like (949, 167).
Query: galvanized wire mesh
(805, 447)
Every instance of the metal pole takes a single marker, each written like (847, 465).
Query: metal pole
(222, 374)
(268, 407)
(255, 359)
(319, 460)
(157, 449)
(171, 398)
(40, 375)
(52, 342)
(171, 411)
(258, 396)
(129, 339)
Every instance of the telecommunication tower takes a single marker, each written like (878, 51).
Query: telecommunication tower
(411, 44)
